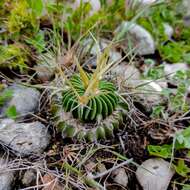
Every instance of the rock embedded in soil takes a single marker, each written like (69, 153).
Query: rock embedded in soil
(6, 177)
(24, 138)
(141, 40)
(25, 100)
(154, 174)
(120, 177)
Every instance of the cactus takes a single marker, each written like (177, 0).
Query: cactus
(90, 106)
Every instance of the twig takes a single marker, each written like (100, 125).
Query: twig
(112, 169)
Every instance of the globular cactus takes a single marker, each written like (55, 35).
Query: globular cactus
(89, 108)
(98, 119)
(100, 105)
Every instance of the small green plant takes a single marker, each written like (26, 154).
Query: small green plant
(154, 20)
(5, 95)
(11, 112)
(90, 107)
(13, 56)
(175, 51)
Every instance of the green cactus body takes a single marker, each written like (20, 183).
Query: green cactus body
(97, 119)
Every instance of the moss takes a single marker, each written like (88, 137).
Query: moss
(21, 19)
(13, 56)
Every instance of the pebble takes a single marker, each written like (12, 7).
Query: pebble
(25, 100)
(120, 177)
(171, 69)
(141, 40)
(154, 174)
(24, 138)
(169, 31)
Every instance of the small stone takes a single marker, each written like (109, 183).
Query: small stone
(6, 177)
(168, 30)
(171, 69)
(44, 73)
(126, 72)
(29, 177)
(141, 40)
(26, 100)
(186, 20)
(24, 138)
(120, 177)
(154, 174)
(101, 168)
(147, 2)
(186, 6)
(148, 93)
(51, 183)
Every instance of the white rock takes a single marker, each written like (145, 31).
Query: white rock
(126, 72)
(171, 69)
(24, 138)
(154, 174)
(148, 93)
(168, 30)
(142, 41)
(148, 1)
(6, 177)
(120, 177)
(26, 100)
(95, 4)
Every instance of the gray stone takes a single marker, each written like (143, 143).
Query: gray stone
(168, 30)
(154, 174)
(141, 40)
(126, 72)
(6, 177)
(26, 100)
(24, 138)
(186, 6)
(29, 177)
(120, 177)
(171, 69)
(44, 73)
(149, 93)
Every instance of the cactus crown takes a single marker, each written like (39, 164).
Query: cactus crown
(88, 97)
(98, 104)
